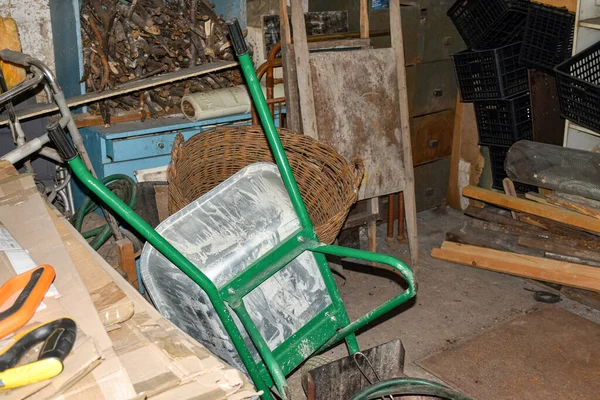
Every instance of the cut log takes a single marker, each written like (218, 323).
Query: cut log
(521, 265)
(557, 228)
(490, 240)
(574, 260)
(574, 206)
(541, 210)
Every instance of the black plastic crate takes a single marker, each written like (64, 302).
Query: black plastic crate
(578, 83)
(490, 74)
(497, 158)
(504, 122)
(489, 23)
(548, 37)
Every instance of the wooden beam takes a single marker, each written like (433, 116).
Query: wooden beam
(364, 19)
(509, 190)
(410, 201)
(521, 265)
(127, 260)
(305, 87)
(574, 206)
(453, 196)
(541, 210)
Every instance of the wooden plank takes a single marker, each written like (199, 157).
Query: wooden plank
(467, 160)
(358, 114)
(340, 44)
(541, 210)
(127, 260)
(364, 19)
(559, 248)
(410, 201)
(133, 86)
(595, 204)
(543, 269)
(292, 102)
(574, 206)
(570, 5)
(303, 73)
(453, 185)
(557, 228)
(509, 190)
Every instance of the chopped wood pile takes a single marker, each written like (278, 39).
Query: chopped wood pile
(553, 238)
(137, 39)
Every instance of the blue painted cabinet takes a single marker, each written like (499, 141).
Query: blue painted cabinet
(130, 146)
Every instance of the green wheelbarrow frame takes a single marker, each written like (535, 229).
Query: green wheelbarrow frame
(329, 327)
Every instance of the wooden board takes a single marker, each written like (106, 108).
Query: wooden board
(559, 248)
(547, 354)
(541, 210)
(521, 265)
(134, 86)
(570, 5)
(357, 103)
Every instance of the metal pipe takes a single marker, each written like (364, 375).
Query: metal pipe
(26, 150)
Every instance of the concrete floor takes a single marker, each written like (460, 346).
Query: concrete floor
(453, 304)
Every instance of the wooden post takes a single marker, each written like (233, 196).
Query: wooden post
(364, 19)
(305, 88)
(509, 190)
(401, 238)
(127, 260)
(292, 106)
(409, 190)
(391, 217)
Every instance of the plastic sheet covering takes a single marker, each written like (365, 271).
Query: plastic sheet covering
(222, 233)
(555, 167)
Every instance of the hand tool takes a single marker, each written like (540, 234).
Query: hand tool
(58, 338)
(33, 286)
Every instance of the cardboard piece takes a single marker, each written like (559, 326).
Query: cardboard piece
(161, 360)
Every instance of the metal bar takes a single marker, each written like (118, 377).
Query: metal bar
(266, 266)
(263, 349)
(275, 143)
(402, 268)
(173, 255)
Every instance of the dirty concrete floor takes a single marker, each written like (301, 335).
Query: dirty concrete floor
(453, 304)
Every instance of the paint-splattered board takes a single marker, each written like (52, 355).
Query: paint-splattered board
(357, 110)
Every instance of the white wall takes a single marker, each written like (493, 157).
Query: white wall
(33, 21)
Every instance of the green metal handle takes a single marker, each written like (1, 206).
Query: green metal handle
(386, 307)
(173, 255)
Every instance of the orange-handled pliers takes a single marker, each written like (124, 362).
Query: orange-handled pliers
(33, 286)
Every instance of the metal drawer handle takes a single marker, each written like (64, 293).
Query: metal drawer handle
(438, 92)
(433, 144)
(161, 145)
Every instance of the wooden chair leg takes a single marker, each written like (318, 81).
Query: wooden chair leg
(401, 215)
(390, 218)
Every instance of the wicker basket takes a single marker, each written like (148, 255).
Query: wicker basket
(328, 184)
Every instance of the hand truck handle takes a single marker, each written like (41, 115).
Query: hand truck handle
(63, 144)
(237, 37)
(15, 57)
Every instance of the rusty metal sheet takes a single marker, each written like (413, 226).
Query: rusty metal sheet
(358, 113)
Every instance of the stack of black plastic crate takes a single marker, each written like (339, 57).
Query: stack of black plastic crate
(505, 37)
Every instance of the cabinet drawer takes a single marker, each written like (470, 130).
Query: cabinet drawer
(432, 136)
(438, 38)
(433, 88)
(152, 145)
(431, 183)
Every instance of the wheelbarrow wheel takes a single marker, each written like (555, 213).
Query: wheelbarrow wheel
(309, 365)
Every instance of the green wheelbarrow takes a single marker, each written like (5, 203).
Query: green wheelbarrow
(329, 327)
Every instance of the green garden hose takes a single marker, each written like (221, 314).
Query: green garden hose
(125, 188)
(409, 386)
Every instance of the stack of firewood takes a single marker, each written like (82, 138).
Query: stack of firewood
(132, 40)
